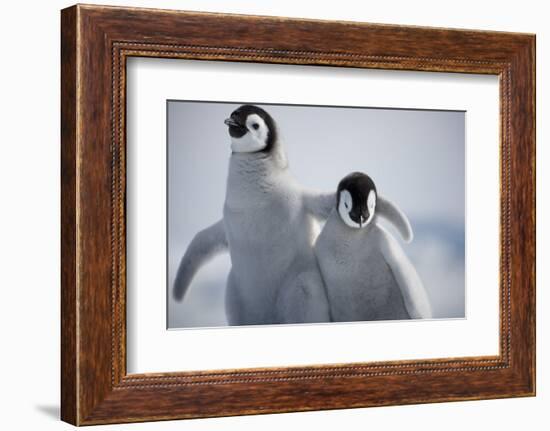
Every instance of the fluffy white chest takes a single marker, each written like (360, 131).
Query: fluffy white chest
(267, 228)
(360, 284)
(350, 257)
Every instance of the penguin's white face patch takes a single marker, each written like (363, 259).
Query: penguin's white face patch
(344, 208)
(255, 139)
(371, 204)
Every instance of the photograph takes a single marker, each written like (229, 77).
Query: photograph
(302, 214)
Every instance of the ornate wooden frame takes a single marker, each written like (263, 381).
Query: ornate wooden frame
(95, 43)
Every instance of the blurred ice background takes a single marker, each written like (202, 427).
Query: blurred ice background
(415, 157)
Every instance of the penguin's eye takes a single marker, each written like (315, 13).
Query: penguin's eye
(255, 126)
(346, 205)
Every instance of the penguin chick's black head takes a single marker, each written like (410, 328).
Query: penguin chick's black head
(251, 129)
(356, 199)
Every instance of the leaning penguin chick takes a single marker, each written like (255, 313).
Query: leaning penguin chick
(366, 272)
(268, 228)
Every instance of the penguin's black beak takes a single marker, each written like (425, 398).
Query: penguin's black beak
(231, 122)
(359, 216)
(355, 215)
(236, 129)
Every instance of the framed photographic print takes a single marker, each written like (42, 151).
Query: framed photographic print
(264, 214)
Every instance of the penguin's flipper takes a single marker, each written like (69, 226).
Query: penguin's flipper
(206, 244)
(391, 213)
(320, 204)
(414, 295)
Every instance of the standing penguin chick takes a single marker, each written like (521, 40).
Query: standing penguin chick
(269, 227)
(366, 272)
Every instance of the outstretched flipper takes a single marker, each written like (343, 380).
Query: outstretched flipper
(206, 244)
(414, 295)
(391, 213)
(320, 204)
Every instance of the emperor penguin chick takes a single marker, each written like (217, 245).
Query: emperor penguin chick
(366, 272)
(269, 226)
